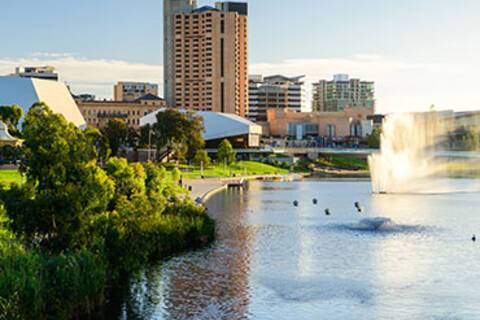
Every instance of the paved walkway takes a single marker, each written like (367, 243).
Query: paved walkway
(202, 187)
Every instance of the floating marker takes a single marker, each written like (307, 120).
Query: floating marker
(474, 238)
(295, 203)
(327, 212)
(315, 201)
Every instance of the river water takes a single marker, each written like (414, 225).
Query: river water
(273, 260)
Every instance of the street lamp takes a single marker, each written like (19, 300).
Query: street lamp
(150, 132)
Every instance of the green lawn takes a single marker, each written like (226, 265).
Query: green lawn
(10, 176)
(343, 162)
(239, 168)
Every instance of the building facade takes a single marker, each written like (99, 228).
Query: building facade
(342, 93)
(99, 113)
(209, 59)
(170, 9)
(44, 72)
(277, 92)
(131, 91)
(335, 126)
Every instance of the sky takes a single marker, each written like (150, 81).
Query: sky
(418, 52)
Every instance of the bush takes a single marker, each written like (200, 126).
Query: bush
(201, 158)
(83, 226)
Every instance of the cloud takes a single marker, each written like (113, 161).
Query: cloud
(88, 75)
(401, 85)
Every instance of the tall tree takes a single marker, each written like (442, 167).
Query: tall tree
(116, 131)
(226, 154)
(64, 187)
(179, 132)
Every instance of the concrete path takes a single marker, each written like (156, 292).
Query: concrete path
(201, 188)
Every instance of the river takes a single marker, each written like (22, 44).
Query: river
(273, 260)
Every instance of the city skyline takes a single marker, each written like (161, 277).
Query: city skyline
(417, 54)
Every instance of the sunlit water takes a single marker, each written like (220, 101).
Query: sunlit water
(404, 257)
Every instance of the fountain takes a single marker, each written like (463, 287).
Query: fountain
(406, 162)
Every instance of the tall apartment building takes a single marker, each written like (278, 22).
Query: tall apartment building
(44, 72)
(170, 9)
(209, 59)
(131, 91)
(341, 93)
(276, 91)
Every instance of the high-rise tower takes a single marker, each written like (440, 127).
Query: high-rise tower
(170, 9)
(210, 58)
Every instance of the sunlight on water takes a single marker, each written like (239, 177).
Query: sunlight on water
(416, 155)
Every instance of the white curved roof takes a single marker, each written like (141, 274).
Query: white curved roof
(27, 91)
(217, 125)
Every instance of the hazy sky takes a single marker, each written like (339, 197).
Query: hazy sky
(419, 52)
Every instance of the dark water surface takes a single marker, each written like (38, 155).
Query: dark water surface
(276, 261)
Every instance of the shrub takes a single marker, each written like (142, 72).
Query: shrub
(201, 158)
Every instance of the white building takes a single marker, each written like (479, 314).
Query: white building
(241, 132)
(27, 91)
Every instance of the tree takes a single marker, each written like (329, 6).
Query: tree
(178, 131)
(11, 116)
(226, 154)
(100, 142)
(373, 139)
(470, 140)
(63, 185)
(201, 158)
(116, 131)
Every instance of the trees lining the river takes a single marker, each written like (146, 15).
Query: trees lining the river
(73, 228)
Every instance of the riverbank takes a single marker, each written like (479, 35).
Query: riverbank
(203, 189)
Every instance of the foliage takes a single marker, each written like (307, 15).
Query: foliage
(100, 142)
(71, 228)
(63, 187)
(178, 132)
(201, 159)
(226, 154)
(11, 116)
(470, 140)
(119, 135)
(343, 162)
(373, 139)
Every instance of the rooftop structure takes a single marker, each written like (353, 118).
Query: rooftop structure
(241, 132)
(27, 91)
(44, 72)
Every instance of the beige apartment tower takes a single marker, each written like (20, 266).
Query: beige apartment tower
(131, 91)
(210, 59)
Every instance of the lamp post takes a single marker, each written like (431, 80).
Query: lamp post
(150, 132)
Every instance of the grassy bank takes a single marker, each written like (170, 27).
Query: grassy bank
(238, 169)
(340, 162)
(10, 176)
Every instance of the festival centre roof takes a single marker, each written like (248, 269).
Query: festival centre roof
(27, 91)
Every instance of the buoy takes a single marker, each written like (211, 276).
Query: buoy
(327, 212)
(474, 238)
(315, 201)
(359, 208)
(295, 203)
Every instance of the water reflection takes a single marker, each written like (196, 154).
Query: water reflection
(276, 261)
